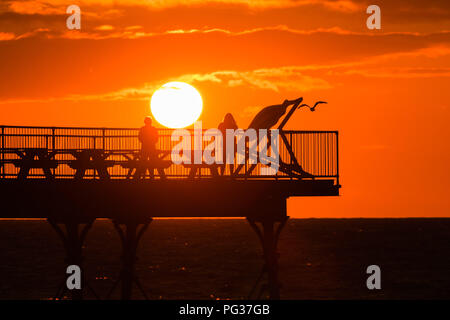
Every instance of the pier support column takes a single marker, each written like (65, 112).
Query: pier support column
(130, 232)
(268, 234)
(73, 235)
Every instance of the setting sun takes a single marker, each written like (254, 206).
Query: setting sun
(176, 105)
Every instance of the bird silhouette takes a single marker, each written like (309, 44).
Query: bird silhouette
(314, 107)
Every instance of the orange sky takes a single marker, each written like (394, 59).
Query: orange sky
(388, 90)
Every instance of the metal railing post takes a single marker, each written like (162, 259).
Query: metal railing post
(53, 139)
(337, 158)
(104, 138)
(3, 152)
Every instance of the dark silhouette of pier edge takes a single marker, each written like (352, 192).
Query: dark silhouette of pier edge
(72, 176)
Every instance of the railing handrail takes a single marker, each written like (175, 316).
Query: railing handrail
(69, 127)
(137, 128)
(315, 151)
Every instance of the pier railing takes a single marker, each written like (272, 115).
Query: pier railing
(315, 151)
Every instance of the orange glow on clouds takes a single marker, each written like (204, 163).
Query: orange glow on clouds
(387, 90)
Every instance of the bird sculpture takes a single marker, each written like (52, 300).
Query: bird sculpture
(269, 116)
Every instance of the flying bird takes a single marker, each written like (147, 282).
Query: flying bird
(314, 107)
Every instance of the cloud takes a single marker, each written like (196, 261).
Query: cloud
(36, 7)
(133, 27)
(34, 33)
(288, 78)
(385, 65)
(293, 78)
(4, 36)
(105, 27)
(276, 79)
(141, 93)
(405, 73)
(135, 32)
(46, 7)
(332, 30)
(8, 36)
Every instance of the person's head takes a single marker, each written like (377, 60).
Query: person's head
(229, 120)
(148, 121)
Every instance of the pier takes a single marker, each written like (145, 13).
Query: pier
(73, 176)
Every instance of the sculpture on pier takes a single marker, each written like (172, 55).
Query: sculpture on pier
(269, 117)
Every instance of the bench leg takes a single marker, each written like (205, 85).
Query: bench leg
(139, 172)
(192, 173)
(214, 171)
(151, 171)
(79, 174)
(162, 174)
(103, 173)
(130, 173)
(48, 173)
(23, 173)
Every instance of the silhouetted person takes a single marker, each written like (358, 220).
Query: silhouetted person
(148, 136)
(227, 123)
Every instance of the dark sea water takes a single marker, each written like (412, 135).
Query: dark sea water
(210, 259)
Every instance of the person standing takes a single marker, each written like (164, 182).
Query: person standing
(148, 137)
(227, 123)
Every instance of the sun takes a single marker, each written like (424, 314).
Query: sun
(176, 105)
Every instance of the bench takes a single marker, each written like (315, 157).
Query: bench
(90, 159)
(32, 158)
(136, 164)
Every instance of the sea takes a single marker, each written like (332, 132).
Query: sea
(222, 259)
